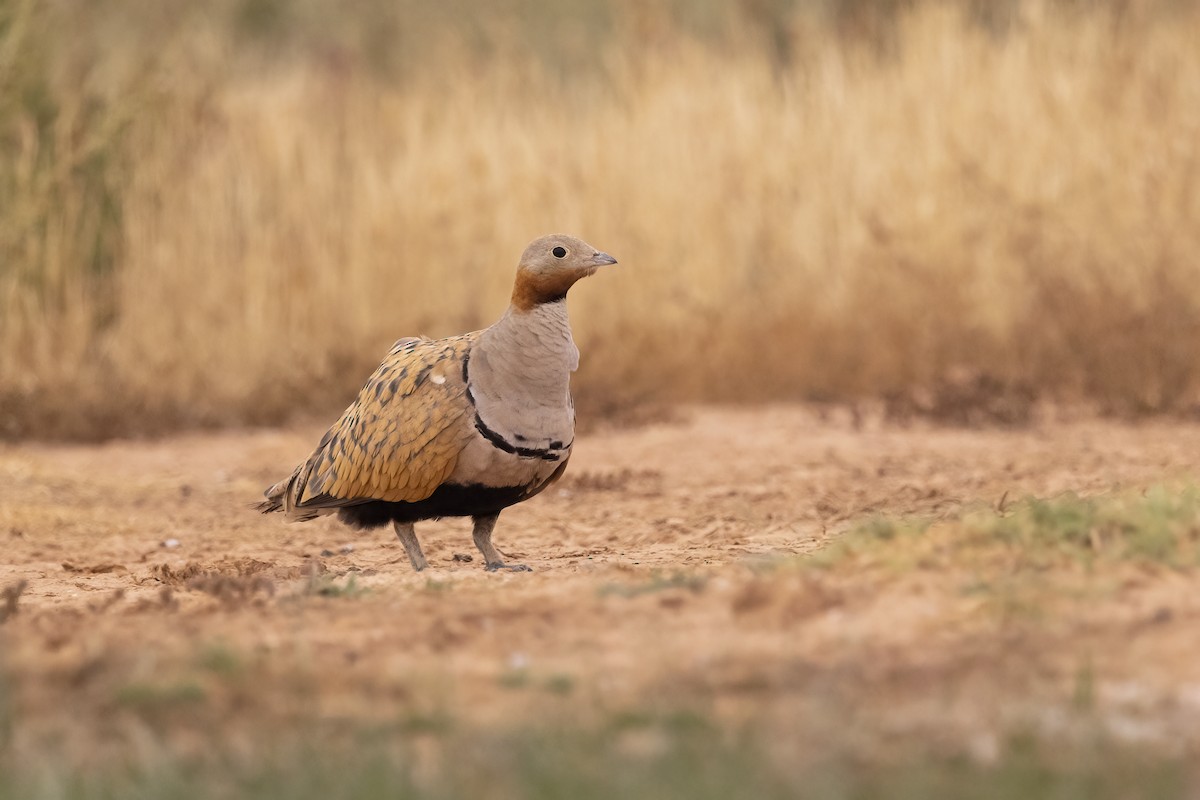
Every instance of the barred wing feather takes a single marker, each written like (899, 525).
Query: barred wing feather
(398, 441)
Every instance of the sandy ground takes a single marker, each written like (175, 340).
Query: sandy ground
(668, 570)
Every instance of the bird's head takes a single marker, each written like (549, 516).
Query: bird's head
(550, 266)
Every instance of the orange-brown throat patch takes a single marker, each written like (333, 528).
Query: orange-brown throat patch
(533, 289)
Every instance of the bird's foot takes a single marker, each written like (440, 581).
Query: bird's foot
(493, 566)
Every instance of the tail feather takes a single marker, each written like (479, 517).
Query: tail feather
(276, 496)
(282, 497)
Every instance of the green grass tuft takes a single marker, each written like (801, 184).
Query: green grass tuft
(328, 586)
(559, 683)
(220, 660)
(1160, 526)
(657, 583)
(151, 698)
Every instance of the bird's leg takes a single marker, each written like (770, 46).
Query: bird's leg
(408, 537)
(483, 540)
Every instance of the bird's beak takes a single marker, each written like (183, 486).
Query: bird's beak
(601, 259)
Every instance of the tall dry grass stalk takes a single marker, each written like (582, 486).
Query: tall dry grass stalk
(826, 219)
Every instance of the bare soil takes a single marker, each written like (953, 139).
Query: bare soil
(147, 603)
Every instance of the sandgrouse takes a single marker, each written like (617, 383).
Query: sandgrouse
(458, 427)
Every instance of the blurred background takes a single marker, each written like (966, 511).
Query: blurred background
(223, 213)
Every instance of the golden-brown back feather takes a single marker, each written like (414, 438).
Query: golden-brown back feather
(398, 441)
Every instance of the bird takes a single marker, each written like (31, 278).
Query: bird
(464, 426)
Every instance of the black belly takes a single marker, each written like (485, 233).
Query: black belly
(450, 500)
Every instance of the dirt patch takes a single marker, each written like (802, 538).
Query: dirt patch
(670, 565)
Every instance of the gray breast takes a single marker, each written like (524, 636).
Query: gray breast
(519, 379)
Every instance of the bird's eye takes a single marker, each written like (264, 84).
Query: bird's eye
(559, 252)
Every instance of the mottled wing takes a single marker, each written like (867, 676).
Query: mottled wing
(400, 439)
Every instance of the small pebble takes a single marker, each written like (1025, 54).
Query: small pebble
(170, 544)
(346, 548)
(463, 558)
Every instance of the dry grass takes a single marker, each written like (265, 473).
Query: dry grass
(800, 209)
